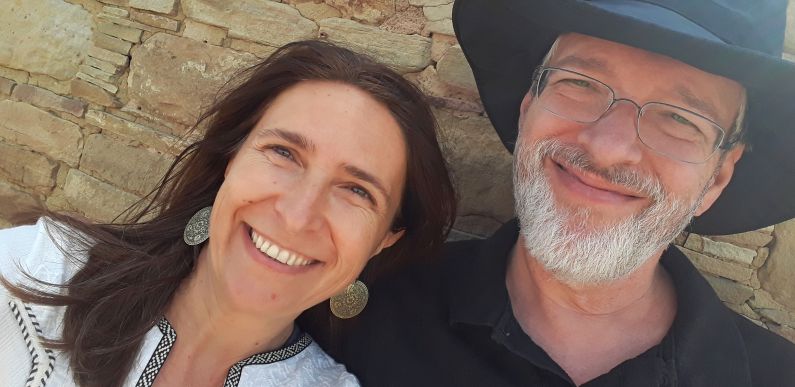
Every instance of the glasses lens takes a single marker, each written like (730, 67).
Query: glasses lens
(573, 96)
(678, 133)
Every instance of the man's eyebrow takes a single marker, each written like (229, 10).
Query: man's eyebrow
(296, 139)
(696, 103)
(589, 63)
(368, 177)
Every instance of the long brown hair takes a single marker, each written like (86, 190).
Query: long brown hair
(132, 269)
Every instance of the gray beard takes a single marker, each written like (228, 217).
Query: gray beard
(565, 242)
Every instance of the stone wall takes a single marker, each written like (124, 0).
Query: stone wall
(96, 97)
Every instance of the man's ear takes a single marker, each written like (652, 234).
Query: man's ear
(722, 178)
(526, 101)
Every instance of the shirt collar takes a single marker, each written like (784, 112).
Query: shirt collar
(708, 346)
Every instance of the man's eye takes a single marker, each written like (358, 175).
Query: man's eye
(682, 120)
(578, 82)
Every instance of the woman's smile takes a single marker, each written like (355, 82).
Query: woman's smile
(279, 253)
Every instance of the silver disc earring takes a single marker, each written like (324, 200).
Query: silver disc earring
(351, 301)
(198, 228)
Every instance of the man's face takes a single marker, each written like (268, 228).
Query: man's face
(595, 202)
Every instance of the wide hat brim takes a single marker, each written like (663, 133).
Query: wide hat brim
(505, 40)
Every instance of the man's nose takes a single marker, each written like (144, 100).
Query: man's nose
(300, 205)
(613, 138)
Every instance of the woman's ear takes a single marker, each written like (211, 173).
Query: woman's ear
(390, 239)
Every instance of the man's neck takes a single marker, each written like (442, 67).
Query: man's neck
(589, 329)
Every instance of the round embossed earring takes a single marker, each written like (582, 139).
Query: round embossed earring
(198, 228)
(351, 301)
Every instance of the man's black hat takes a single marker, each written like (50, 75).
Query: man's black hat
(504, 40)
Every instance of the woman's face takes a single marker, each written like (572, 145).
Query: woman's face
(307, 200)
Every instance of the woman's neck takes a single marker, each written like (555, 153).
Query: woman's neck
(209, 327)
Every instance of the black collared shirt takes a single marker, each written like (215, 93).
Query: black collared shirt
(450, 323)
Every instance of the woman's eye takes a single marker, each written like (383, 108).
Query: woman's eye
(359, 191)
(282, 151)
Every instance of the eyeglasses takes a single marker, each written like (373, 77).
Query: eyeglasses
(670, 130)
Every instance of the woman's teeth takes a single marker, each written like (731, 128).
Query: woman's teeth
(282, 255)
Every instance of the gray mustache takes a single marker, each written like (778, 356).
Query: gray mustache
(623, 176)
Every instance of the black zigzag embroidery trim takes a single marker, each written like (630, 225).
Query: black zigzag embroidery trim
(34, 356)
(233, 377)
(159, 356)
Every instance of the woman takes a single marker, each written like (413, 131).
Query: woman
(318, 161)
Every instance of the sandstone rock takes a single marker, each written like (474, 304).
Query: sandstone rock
(778, 272)
(6, 86)
(430, 3)
(107, 67)
(98, 82)
(40, 131)
(134, 133)
(27, 168)
(266, 22)
(14, 200)
(729, 251)
(406, 53)
(750, 240)
(113, 44)
(129, 34)
(121, 3)
(761, 257)
(763, 300)
(17, 76)
(49, 83)
(317, 11)
(118, 12)
(260, 50)
(174, 78)
(44, 36)
(440, 44)
(137, 170)
(730, 291)
(155, 20)
(439, 12)
(780, 317)
(444, 26)
(707, 264)
(454, 69)
(366, 11)
(408, 22)
(472, 150)
(96, 199)
(444, 95)
(93, 93)
(203, 32)
(108, 56)
(161, 6)
(99, 74)
(48, 100)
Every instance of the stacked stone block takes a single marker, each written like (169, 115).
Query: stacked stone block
(97, 97)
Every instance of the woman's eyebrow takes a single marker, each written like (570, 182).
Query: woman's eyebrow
(368, 177)
(296, 139)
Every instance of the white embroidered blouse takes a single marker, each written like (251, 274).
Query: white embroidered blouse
(24, 361)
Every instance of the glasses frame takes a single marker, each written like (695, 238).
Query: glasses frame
(722, 143)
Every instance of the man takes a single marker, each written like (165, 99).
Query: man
(633, 117)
